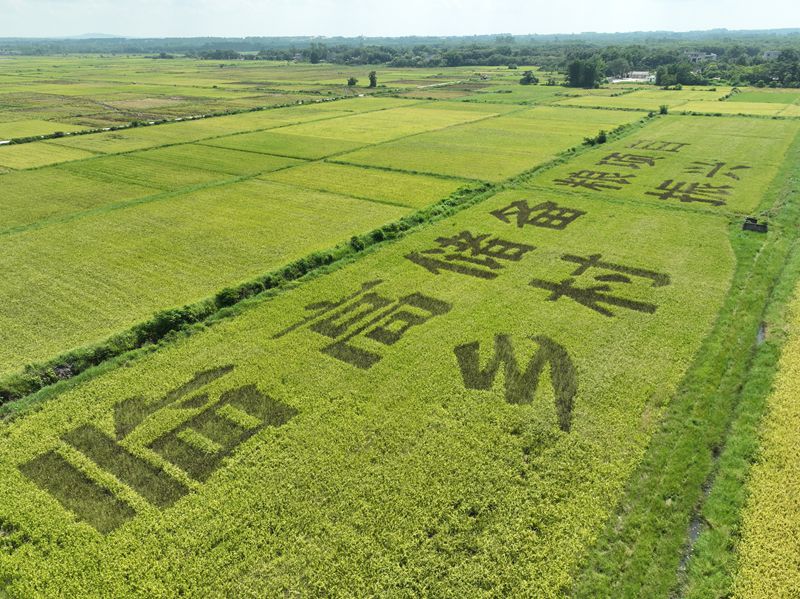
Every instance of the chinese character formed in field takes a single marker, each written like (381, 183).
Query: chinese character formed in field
(712, 169)
(692, 192)
(547, 214)
(657, 146)
(370, 317)
(634, 161)
(214, 430)
(595, 180)
(200, 444)
(595, 296)
(467, 254)
(521, 385)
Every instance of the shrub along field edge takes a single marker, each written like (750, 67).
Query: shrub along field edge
(648, 538)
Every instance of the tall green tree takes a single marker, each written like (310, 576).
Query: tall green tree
(618, 67)
(586, 72)
(528, 78)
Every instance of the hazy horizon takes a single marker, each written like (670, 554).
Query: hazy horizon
(353, 18)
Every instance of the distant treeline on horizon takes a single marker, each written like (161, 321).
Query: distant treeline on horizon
(758, 57)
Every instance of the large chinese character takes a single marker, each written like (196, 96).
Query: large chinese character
(520, 387)
(468, 254)
(591, 297)
(198, 446)
(620, 271)
(130, 413)
(692, 192)
(597, 297)
(595, 180)
(369, 316)
(634, 161)
(712, 169)
(657, 146)
(547, 214)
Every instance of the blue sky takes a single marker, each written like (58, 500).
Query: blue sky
(162, 18)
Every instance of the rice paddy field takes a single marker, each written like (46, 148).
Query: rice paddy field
(438, 338)
(770, 550)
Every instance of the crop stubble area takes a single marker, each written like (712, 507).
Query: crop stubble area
(457, 412)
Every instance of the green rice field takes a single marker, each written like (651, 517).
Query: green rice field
(448, 336)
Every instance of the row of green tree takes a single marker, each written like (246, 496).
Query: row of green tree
(741, 58)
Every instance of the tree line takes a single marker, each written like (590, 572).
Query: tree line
(739, 58)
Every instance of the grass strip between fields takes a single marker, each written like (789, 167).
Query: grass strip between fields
(715, 412)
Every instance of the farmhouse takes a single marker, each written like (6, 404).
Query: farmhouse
(636, 77)
(696, 57)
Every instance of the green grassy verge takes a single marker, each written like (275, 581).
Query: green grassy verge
(645, 541)
(713, 562)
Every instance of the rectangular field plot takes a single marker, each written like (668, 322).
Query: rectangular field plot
(32, 196)
(515, 94)
(649, 99)
(78, 282)
(32, 155)
(220, 160)
(130, 169)
(385, 125)
(471, 107)
(28, 128)
(458, 406)
(415, 191)
(627, 101)
(780, 96)
(699, 162)
(112, 142)
(284, 144)
(793, 110)
(754, 108)
(127, 140)
(492, 149)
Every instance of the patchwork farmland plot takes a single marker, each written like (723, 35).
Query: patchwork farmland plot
(32, 197)
(39, 154)
(754, 108)
(415, 191)
(102, 273)
(163, 215)
(394, 346)
(645, 99)
(704, 163)
(29, 128)
(358, 393)
(780, 96)
(219, 160)
(130, 169)
(454, 152)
